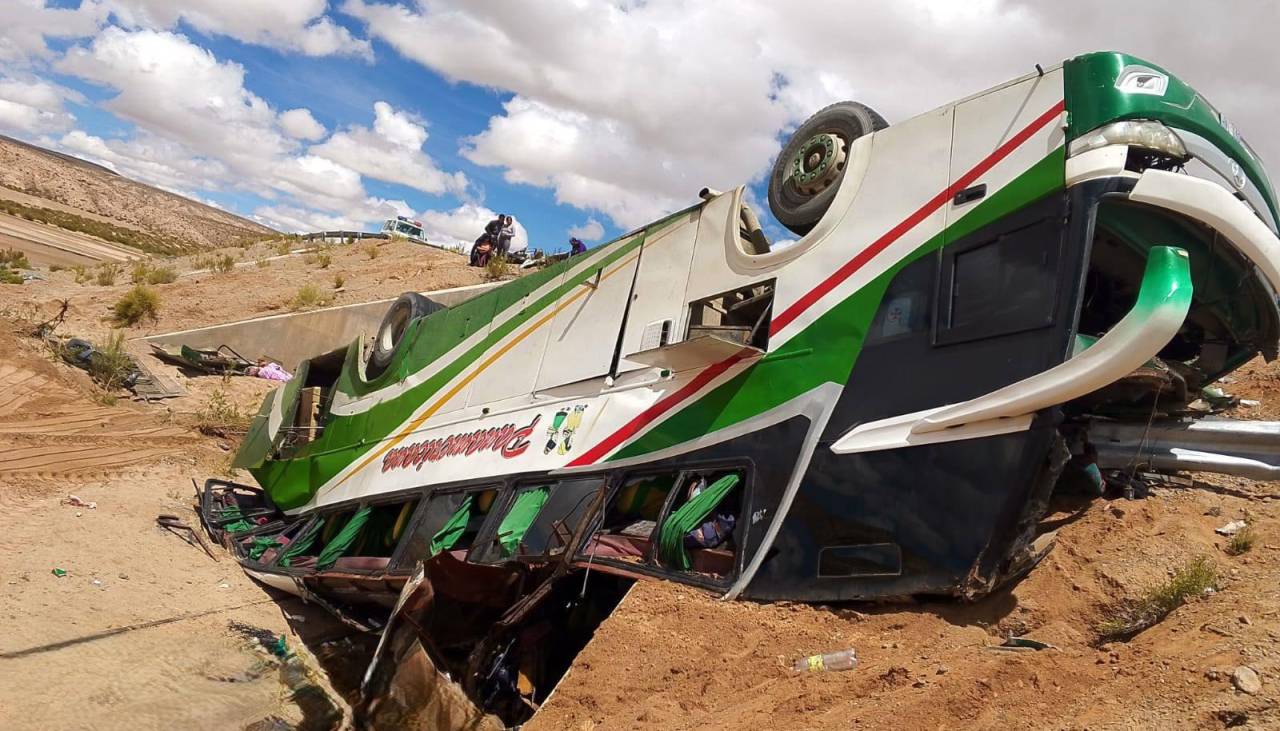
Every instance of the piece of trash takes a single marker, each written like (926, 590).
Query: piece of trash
(73, 500)
(1232, 528)
(224, 585)
(97, 583)
(830, 662)
(59, 572)
(1249, 403)
(1019, 644)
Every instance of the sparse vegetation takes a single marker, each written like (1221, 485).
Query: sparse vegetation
(222, 263)
(497, 268)
(81, 273)
(339, 280)
(138, 304)
(9, 276)
(308, 296)
(283, 246)
(56, 268)
(220, 417)
(371, 251)
(321, 259)
(14, 259)
(144, 273)
(111, 364)
(262, 263)
(105, 275)
(149, 243)
(1129, 618)
(1242, 541)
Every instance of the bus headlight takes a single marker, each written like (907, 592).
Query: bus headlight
(1142, 133)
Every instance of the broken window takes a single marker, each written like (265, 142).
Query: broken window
(698, 533)
(540, 520)
(741, 315)
(449, 522)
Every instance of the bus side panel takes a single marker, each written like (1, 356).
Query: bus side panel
(900, 522)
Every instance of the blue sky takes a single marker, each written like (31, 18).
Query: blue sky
(591, 116)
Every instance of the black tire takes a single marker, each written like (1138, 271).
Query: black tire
(407, 308)
(800, 210)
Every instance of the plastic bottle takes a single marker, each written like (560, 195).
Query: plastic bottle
(830, 662)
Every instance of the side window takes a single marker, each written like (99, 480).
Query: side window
(907, 306)
(1000, 285)
(626, 530)
(539, 521)
(449, 521)
(698, 533)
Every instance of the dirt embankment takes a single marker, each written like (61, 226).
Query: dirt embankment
(261, 282)
(673, 658)
(103, 195)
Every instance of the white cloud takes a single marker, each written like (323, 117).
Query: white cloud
(390, 151)
(358, 217)
(28, 23)
(628, 108)
(291, 25)
(592, 230)
(300, 125)
(148, 157)
(31, 106)
(464, 224)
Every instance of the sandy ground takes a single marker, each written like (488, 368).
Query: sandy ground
(673, 658)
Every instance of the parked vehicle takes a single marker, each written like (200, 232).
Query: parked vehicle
(880, 409)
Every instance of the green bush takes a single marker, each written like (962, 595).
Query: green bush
(138, 304)
(497, 268)
(220, 417)
(9, 276)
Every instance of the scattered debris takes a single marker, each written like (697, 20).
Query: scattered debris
(1232, 718)
(59, 572)
(77, 502)
(1246, 680)
(174, 524)
(830, 662)
(1249, 403)
(1016, 644)
(1230, 529)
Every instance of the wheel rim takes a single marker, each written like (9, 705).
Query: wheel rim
(392, 331)
(818, 163)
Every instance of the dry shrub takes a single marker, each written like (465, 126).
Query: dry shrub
(138, 304)
(308, 296)
(106, 274)
(1131, 617)
(220, 417)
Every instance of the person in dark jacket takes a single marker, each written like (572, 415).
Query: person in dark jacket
(576, 247)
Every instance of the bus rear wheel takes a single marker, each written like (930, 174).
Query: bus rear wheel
(810, 167)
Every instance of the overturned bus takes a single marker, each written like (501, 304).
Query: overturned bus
(881, 408)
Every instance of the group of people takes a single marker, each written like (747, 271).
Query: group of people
(495, 241)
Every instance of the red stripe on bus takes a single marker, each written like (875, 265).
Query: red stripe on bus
(862, 257)
(646, 417)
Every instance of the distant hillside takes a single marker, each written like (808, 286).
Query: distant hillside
(96, 190)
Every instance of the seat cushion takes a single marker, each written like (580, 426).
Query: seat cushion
(361, 563)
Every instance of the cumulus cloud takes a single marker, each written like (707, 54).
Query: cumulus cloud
(31, 106)
(300, 125)
(292, 25)
(147, 157)
(663, 97)
(28, 23)
(392, 151)
(592, 230)
(464, 224)
(353, 218)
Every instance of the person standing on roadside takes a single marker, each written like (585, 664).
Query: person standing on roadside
(505, 234)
